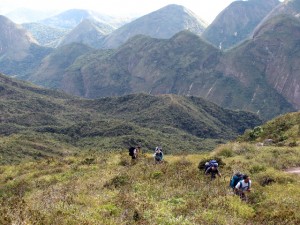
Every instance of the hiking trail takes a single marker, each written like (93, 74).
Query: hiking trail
(295, 170)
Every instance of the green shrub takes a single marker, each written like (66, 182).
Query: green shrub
(241, 209)
(293, 144)
(156, 174)
(182, 163)
(243, 148)
(280, 206)
(125, 162)
(257, 168)
(272, 176)
(88, 161)
(255, 133)
(110, 210)
(201, 165)
(118, 181)
(226, 152)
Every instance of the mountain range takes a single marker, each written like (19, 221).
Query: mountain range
(71, 18)
(258, 75)
(105, 32)
(184, 64)
(46, 35)
(88, 32)
(162, 24)
(64, 158)
(19, 51)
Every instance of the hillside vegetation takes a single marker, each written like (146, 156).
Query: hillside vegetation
(182, 65)
(39, 123)
(283, 131)
(107, 188)
(259, 75)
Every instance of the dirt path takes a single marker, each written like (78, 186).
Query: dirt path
(294, 170)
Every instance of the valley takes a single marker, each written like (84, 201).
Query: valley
(79, 88)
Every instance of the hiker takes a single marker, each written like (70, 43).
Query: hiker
(238, 176)
(133, 152)
(243, 186)
(158, 155)
(211, 168)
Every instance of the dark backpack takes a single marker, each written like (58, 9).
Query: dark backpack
(210, 164)
(235, 179)
(158, 156)
(131, 151)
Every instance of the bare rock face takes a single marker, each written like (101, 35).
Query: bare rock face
(14, 40)
(237, 21)
(288, 7)
(283, 50)
(273, 52)
(271, 57)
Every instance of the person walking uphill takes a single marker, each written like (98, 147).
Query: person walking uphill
(158, 155)
(133, 152)
(212, 169)
(243, 186)
(238, 176)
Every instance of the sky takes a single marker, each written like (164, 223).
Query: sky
(205, 9)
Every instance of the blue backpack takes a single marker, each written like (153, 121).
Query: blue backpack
(235, 179)
(211, 163)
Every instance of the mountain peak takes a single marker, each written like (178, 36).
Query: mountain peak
(14, 39)
(72, 17)
(162, 23)
(174, 8)
(89, 32)
(237, 21)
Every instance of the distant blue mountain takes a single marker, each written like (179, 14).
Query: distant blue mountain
(71, 18)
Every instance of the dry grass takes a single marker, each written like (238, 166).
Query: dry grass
(110, 189)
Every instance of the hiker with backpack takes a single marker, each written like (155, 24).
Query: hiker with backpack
(158, 155)
(211, 168)
(238, 176)
(133, 152)
(242, 187)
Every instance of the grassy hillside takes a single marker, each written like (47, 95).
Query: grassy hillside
(108, 189)
(39, 123)
(283, 131)
(77, 173)
(191, 114)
